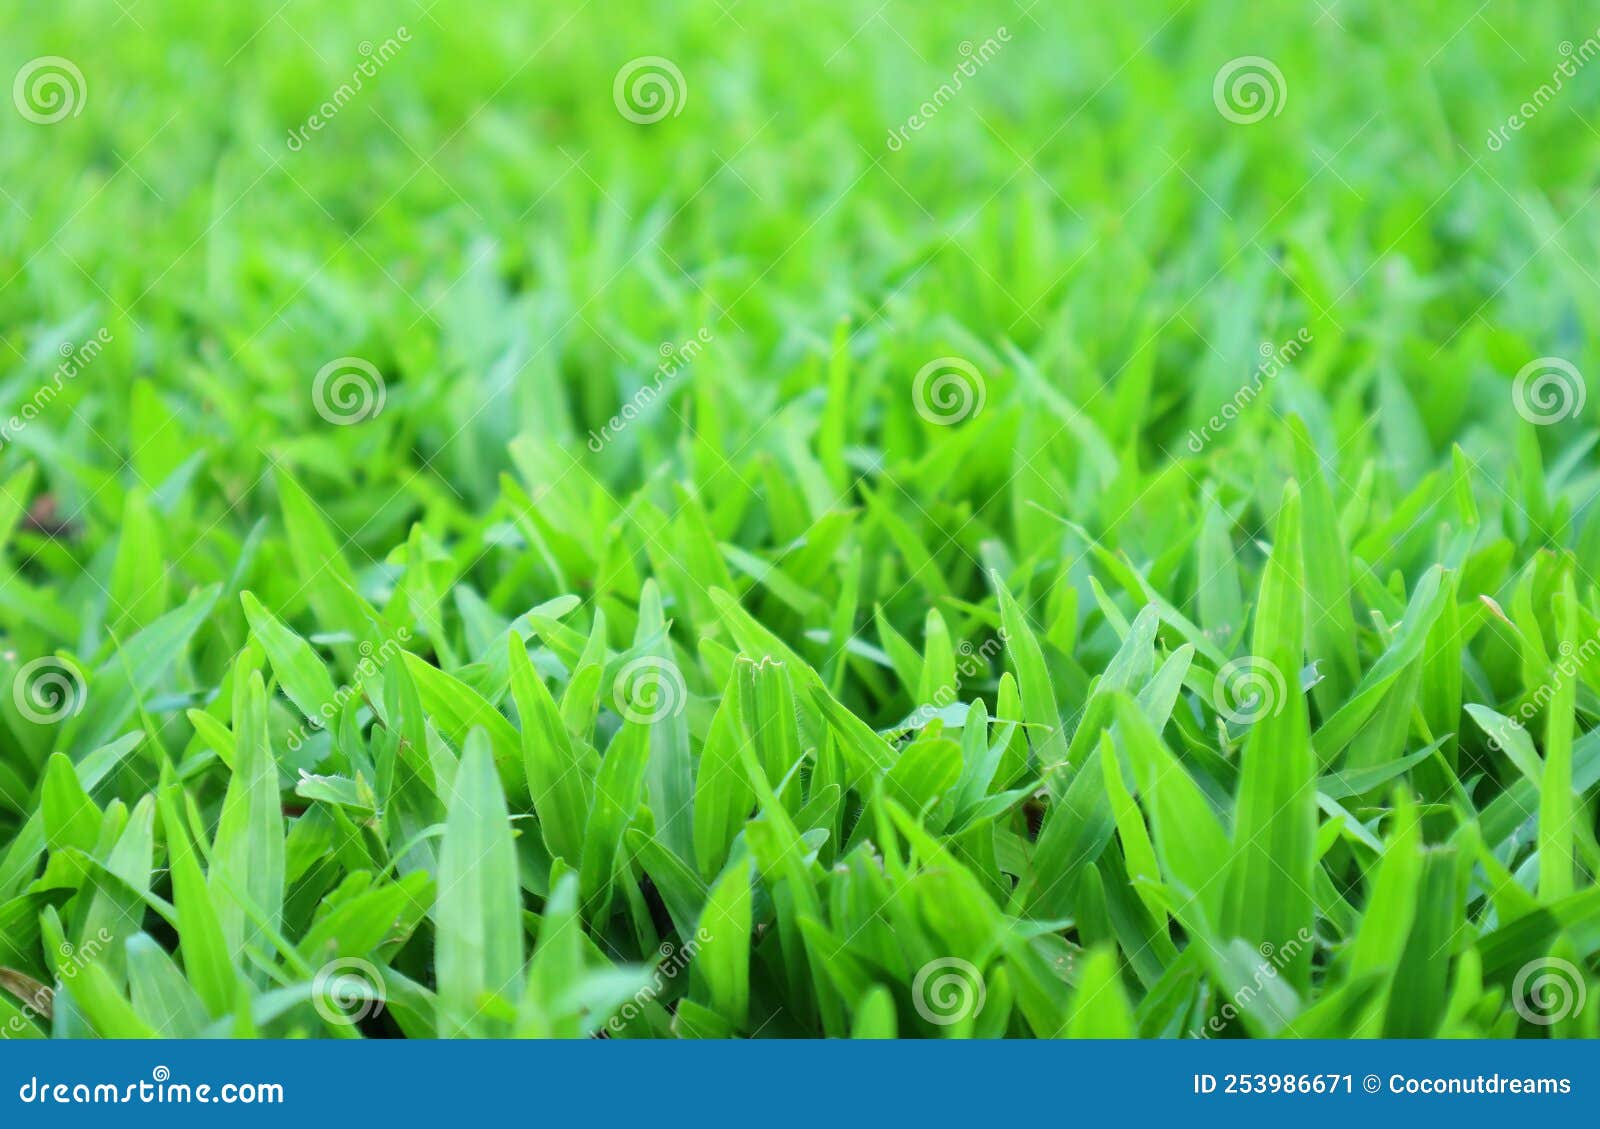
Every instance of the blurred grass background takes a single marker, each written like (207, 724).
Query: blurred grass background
(483, 224)
(1080, 222)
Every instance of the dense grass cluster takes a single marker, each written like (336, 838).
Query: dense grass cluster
(615, 519)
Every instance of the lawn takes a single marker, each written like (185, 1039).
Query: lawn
(747, 521)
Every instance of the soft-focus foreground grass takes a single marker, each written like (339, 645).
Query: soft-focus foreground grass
(1075, 557)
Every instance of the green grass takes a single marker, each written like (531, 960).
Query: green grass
(846, 557)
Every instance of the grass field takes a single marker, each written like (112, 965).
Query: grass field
(746, 521)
